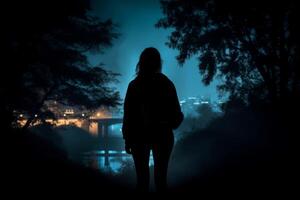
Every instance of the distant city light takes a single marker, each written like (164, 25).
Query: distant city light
(69, 111)
(66, 117)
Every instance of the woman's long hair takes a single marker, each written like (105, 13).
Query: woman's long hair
(149, 63)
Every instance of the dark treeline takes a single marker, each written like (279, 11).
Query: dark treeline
(44, 58)
(44, 46)
(252, 48)
(250, 45)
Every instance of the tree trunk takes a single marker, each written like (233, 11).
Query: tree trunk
(28, 122)
(38, 107)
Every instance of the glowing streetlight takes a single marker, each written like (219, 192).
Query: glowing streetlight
(98, 114)
(35, 115)
(65, 115)
(82, 114)
(21, 115)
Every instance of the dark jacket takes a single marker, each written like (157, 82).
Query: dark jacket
(151, 109)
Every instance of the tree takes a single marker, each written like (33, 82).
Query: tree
(250, 45)
(45, 47)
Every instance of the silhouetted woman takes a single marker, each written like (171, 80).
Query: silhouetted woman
(151, 112)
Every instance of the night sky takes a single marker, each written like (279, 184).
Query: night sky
(136, 20)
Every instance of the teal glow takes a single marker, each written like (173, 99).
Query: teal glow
(136, 21)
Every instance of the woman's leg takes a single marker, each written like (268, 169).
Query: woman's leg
(141, 154)
(161, 154)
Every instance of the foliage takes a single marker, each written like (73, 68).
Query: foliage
(250, 45)
(45, 47)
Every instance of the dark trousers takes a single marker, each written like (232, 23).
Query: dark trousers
(161, 150)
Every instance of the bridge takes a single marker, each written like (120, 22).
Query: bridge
(103, 125)
(101, 131)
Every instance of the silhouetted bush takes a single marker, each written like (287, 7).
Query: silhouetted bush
(241, 151)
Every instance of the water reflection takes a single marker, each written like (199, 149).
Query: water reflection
(111, 162)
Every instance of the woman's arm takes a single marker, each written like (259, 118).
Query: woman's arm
(177, 115)
(126, 118)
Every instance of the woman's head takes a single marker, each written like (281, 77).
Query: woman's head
(149, 62)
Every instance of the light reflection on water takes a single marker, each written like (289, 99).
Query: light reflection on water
(113, 163)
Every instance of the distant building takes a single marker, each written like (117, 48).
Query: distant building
(63, 115)
(190, 104)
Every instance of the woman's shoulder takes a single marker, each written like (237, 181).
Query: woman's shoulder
(159, 78)
(163, 79)
(135, 83)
